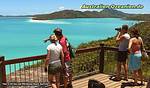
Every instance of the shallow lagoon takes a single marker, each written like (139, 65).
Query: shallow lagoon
(22, 37)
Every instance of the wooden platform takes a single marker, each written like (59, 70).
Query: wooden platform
(83, 83)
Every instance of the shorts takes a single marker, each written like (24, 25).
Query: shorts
(54, 68)
(68, 69)
(122, 56)
(135, 61)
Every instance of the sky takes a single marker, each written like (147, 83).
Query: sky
(31, 7)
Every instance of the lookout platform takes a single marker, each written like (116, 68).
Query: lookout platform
(83, 83)
(90, 63)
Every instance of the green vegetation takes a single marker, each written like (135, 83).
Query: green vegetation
(107, 42)
(140, 17)
(85, 62)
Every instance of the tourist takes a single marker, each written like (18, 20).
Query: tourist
(123, 40)
(135, 48)
(54, 61)
(67, 59)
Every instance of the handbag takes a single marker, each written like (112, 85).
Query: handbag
(144, 53)
(144, 56)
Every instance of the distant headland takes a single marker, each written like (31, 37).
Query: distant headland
(66, 14)
(105, 13)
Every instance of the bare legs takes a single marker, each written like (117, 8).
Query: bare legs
(65, 81)
(68, 75)
(119, 70)
(125, 70)
(140, 75)
(54, 80)
(136, 74)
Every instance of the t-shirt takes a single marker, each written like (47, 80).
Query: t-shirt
(55, 51)
(123, 45)
(63, 43)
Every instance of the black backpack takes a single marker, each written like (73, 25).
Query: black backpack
(92, 83)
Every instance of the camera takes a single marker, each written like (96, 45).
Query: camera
(118, 29)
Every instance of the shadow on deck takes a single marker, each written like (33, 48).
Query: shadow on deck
(83, 83)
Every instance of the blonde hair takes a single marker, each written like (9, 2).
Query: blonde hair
(53, 38)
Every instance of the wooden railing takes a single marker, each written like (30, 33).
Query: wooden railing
(87, 62)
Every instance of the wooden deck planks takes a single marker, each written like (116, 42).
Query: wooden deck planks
(83, 83)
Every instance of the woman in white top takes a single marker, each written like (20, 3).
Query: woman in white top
(54, 61)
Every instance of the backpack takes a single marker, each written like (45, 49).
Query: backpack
(92, 83)
(71, 49)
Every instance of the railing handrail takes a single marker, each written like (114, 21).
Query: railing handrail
(84, 50)
(25, 59)
(40, 57)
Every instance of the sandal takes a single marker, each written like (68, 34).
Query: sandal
(116, 79)
(126, 79)
(133, 84)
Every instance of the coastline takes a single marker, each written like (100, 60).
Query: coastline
(54, 21)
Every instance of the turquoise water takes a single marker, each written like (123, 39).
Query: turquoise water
(22, 37)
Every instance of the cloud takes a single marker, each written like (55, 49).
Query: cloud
(61, 8)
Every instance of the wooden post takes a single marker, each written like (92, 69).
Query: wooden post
(2, 72)
(101, 58)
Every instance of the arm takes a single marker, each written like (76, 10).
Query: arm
(130, 44)
(142, 45)
(62, 59)
(119, 37)
(47, 58)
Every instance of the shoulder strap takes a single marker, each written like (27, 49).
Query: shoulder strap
(66, 39)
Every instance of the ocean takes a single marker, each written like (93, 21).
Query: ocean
(23, 37)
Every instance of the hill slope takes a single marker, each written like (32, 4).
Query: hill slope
(145, 17)
(113, 13)
(78, 14)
